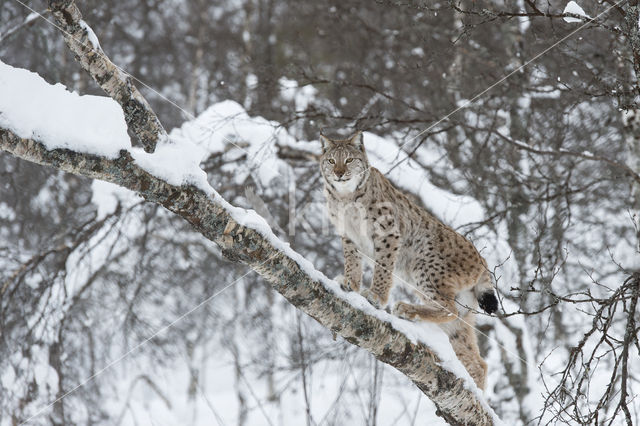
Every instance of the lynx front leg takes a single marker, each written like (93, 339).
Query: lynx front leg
(386, 253)
(352, 265)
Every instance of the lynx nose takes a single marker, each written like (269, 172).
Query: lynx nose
(339, 173)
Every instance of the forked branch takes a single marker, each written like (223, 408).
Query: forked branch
(82, 41)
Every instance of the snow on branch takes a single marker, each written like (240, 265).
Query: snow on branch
(574, 13)
(29, 20)
(420, 351)
(83, 42)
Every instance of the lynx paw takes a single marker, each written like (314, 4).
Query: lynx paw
(373, 298)
(405, 311)
(340, 280)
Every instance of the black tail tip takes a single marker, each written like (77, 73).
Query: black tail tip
(488, 302)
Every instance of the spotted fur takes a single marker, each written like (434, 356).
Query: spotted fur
(380, 223)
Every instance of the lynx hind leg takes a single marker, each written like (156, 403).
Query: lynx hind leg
(465, 344)
(412, 312)
(435, 307)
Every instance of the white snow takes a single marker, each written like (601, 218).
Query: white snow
(30, 17)
(106, 196)
(418, 51)
(546, 92)
(216, 402)
(8, 377)
(176, 163)
(6, 212)
(32, 108)
(574, 8)
(93, 39)
(524, 102)
(227, 125)
(523, 21)
(301, 96)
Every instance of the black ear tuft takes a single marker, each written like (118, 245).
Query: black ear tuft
(357, 140)
(488, 302)
(325, 142)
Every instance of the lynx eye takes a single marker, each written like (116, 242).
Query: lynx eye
(349, 160)
(331, 161)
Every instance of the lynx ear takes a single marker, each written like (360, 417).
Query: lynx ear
(326, 143)
(357, 141)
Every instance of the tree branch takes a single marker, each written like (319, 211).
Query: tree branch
(209, 216)
(505, 14)
(28, 21)
(82, 41)
(562, 152)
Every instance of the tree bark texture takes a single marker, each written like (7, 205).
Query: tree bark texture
(455, 403)
(140, 118)
(632, 13)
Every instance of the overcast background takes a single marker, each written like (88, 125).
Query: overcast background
(532, 171)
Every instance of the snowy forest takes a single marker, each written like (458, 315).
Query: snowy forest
(165, 252)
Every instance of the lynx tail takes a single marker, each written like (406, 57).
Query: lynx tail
(485, 294)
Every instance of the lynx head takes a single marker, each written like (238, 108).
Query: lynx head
(344, 163)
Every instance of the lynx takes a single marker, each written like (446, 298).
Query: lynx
(381, 224)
